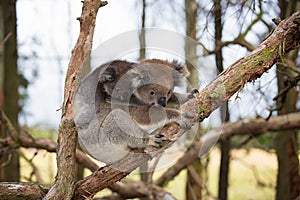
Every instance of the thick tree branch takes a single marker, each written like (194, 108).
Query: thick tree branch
(284, 38)
(138, 190)
(18, 191)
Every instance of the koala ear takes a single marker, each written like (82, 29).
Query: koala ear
(182, 69)
(179, 73)
(108, 75)
(136, 75)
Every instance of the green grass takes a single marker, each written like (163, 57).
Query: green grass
(38, 133)
(252, 176)
(252, 173)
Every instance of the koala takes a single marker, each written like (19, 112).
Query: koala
(121, 104)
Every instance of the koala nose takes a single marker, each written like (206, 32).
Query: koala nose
(162, 101)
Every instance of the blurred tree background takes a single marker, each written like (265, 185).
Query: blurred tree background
(246, 165)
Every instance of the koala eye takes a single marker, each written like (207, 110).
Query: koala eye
(152, 92)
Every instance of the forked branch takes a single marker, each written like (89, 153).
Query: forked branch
(284, 38)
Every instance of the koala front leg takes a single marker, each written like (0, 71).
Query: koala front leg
(182, 98)
(130, 133)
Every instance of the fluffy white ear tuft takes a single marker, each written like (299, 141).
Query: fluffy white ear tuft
(136, 76)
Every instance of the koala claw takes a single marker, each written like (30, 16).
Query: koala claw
(157, 140)
(192, 93)
(188, 115)
(185, 124)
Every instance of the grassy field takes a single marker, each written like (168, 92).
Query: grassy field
(252, 173)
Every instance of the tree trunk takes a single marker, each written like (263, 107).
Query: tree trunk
(142, 35)
(225, 144)
(286, 141)
(10, 172)
(2, 40)
(194, 171)
(142, 38)
(286, 144)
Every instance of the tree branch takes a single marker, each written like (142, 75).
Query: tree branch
(23, 139)
(253, 127)
(63, 187)
(29, 191)
(284, 38)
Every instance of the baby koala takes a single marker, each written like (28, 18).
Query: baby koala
(119, 105)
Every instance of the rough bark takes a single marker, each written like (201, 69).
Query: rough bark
(63, 187)
(284, 38)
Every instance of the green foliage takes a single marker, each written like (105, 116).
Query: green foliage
(29, 61)
(45, 134)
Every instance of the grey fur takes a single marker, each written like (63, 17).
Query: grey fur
(113, 113)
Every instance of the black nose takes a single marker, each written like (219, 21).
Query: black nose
(162, 101)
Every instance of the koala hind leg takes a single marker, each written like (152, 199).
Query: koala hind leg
(126, 129)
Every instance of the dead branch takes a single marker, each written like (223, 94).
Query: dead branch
(35, 170)
(8, 126)
(141, 189)
(2, 41)
(253, 127)
(14, 191)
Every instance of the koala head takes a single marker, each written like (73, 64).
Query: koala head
(150, 82)
(153, 94)
(154, 80)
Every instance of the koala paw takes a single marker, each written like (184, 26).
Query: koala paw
(185, 123)
(192, 93)
(188, 115)
(157, 140)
